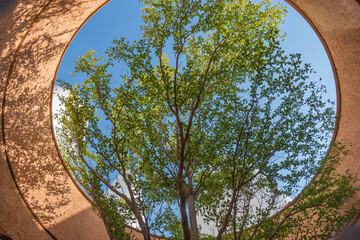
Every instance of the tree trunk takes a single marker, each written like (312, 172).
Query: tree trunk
(226, 218)
(193, 222)
(184, 217)
(144, 229)
(234, 221)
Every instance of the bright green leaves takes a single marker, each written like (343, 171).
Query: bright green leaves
(208, 111)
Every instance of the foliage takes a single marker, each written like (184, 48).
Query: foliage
(209, 115)
(318, 211)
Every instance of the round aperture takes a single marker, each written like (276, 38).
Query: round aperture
(209, 117)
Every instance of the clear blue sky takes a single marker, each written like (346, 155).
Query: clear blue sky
(122, 18)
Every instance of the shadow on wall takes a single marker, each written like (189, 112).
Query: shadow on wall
(3, 237)
(26, 126)
(4, 5)
(27, 67)
(352, 234)
(30, 54)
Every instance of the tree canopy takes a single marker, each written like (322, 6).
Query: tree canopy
(209, 117)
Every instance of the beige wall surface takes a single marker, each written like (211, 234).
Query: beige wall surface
(38, 199)
(338, 26)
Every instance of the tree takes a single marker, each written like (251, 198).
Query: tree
(222, 118)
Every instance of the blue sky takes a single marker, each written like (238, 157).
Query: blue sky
(122, 18)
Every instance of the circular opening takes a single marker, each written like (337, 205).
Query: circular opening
(94, 33)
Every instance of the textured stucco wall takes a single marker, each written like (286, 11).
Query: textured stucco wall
(38, 199)
(337, 23)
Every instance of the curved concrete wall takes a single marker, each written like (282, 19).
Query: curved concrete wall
(38, 198)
